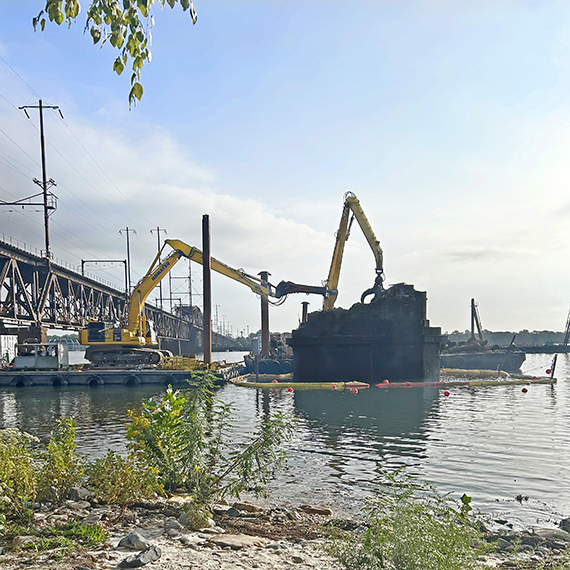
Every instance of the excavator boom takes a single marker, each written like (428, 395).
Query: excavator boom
(352, 210)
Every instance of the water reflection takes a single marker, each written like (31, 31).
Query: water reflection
(491, 443)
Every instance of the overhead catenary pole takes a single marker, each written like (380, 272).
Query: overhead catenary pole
(207, 285)
(127, 230)
(264, 316)
(44, 183)
(158, 230)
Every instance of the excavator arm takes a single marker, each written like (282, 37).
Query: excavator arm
(157, 271)
(351, 210)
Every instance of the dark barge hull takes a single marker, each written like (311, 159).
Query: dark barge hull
(387, 339)
(491, 360)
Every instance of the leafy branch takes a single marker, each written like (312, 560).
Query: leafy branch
(125, 24)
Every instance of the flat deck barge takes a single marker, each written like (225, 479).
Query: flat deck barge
(95, 377)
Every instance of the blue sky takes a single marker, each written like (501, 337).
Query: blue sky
(449, 120)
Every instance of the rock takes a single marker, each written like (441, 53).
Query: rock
(183, 519)
(134, 541)
(78, 505)
(233, 512)
(80, 494)
(180, 500)
(552, 534)
(565, 524)
(172, 524)
(316, 510)
(19, 541)
(150, 554)
(93, 518)
(297, 560)
(173, 532)
(236, 541)
(502, 544)
(82, 568)
(247, 506)
(212, 530)
(220, 509)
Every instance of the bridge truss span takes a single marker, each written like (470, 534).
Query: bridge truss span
(33, 292)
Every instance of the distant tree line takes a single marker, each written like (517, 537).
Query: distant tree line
(504, 337)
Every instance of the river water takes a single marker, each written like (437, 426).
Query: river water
(493, 443)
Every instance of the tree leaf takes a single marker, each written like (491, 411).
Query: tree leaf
(95, 34)
(136, 91)
(118, 66)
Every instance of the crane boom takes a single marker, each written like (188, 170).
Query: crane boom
(352, 206)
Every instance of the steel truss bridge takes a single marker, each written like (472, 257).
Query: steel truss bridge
(33, 293)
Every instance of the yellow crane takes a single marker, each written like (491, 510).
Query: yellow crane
(137, 343)
(351, 210)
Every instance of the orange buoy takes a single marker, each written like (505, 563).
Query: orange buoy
(386, 382)
(289, 389)
(548, 371)
(333, 387)
(446, 393)
(274, 382)
(524, 390)
(355, 390)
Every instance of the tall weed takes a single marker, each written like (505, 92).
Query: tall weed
(17, 474)
(413, 527)
(62, 465)
(186, 437)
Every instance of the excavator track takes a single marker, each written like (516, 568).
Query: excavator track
(124, 356)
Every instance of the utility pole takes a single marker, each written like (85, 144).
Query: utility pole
(45, 184)
(127, 230)
(190, 285)
(158, 230)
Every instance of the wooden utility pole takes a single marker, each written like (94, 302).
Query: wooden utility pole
(45, 184)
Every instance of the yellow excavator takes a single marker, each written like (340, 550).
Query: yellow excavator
(351, 210)
(136, 343)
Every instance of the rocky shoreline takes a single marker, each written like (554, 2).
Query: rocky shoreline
(242, 536)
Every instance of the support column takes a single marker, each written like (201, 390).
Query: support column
(264, 317)
(207, 281)
(305, 313)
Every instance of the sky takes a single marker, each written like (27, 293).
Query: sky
(449, 120)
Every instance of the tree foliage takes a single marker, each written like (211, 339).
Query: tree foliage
(125, 24)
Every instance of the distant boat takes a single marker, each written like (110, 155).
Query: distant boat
(476, 354)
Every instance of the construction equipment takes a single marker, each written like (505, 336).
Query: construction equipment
(136, 343)
(351, 210)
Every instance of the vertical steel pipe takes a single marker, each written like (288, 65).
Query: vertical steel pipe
(207, 280)
(264, 317)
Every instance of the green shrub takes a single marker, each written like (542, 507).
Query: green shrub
(413, 527)
(62, 465)
(17, 474)
(120, 481)
(186, 437)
